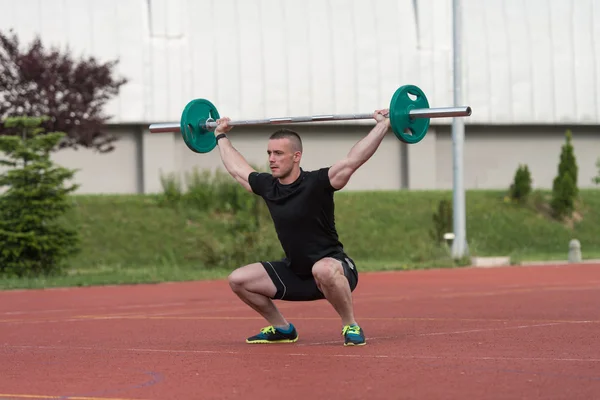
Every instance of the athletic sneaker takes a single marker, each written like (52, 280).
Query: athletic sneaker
(270, 334)
(353, 336)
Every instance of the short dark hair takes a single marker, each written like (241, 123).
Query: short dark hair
(288, 134)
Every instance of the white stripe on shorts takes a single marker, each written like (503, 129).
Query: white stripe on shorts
(278, 277)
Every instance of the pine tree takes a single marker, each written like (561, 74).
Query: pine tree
(563, 203)
(565, 191)
(34, 195)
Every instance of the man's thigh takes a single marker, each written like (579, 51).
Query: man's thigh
(253, 278)
(290, 286)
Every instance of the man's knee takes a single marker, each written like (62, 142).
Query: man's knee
(240, 278)
(236, 279)
(326, 271)
(252, 278)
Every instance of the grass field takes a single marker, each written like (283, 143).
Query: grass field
(140, 239)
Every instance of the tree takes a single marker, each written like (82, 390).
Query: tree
(567, 163)
(563, 198)
(564, 187)
(72, 93)
(35, 196)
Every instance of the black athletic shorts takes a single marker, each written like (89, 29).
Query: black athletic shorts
(293, 287)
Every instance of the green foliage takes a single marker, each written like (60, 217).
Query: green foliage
(568, 164)
(40, 80)
(596, 179)
(32, 241)
(521, 186)
(206, 191)
(442, 221)
(134, 238)
(564, 187)
(563, 195)
(242, 218)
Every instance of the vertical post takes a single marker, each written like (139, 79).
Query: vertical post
(459, 244)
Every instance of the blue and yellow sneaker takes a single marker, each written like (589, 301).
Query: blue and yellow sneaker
(353, 336)
(270, 334)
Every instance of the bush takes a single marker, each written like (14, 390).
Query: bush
(564, 187)
(207, 192)
(242, 219)
(443, 221)
(521, 186)
(32, 241)
(596, 179)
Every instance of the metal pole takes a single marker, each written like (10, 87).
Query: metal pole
(414, 113)
(459, 244)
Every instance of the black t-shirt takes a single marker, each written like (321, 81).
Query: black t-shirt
(303, 214)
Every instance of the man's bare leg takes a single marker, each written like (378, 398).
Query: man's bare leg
(331, 280)
(253, 286)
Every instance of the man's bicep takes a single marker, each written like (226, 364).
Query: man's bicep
(245, 184)
(339, 174)
(243, 176)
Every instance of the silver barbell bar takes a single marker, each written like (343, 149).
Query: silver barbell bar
(443, 112)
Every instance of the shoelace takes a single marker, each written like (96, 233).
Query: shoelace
(268, 329)
(351, 329)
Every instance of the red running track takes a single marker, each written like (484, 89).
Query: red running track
(504, 333)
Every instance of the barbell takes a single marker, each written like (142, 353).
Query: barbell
(409, 118)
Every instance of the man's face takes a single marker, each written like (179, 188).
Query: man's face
(282, 157)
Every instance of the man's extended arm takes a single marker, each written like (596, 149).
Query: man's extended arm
(341, 171)
(234, 162)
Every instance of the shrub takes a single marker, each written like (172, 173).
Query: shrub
(442, 221)
(32, 241)
(564, 190)
(521, 186)
(241, 217)
(596, 179)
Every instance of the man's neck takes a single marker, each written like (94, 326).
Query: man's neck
(291, 178)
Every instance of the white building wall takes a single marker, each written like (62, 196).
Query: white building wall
(525, 62)
(531, 68)
(114, 172)
(493, 154)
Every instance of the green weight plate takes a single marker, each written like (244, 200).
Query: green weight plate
(407, 129)
(194, 115)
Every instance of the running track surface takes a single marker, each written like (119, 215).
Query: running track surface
(501, 333)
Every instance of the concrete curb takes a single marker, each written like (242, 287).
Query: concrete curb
(559, 262)
(490, 262)
(493, 262)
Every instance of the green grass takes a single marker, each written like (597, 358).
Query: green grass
(107, 275)
(135, 239)
(394, 226)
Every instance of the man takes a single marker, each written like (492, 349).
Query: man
(301, 204)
